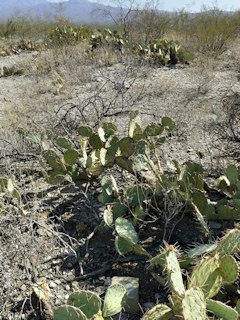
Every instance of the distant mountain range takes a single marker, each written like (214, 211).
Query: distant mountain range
(75, 10)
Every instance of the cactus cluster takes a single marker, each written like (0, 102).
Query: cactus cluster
(207, 277)
(87, 305)
(110, 38)
(101, 149)
(164, 52)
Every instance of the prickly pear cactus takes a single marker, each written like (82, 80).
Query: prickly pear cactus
(69, 313)
(115, 300)
(173, 272)
(194, 304)
(229, 268)
(88, 302)
(221, 310)
(206, 275)
(229, 244)
(159, 312)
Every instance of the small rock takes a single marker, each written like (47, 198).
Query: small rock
(23, 287)
(58, 281)
(52, 285)
(66, 296)
(69, 265)
(67, 287)
(102, 278)
(107, 281)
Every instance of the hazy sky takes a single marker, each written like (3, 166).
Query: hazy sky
(189, 5)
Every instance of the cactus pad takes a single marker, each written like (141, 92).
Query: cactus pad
(69, 313)
(88, 302)
(85, 131)
(71, 156)
(153, 129)
(159, 312)
(229, 244)
(172, 268)
(232, 173)
(123, 246)
(221, 310)
(126, 146)
(194, 305)
(64, 143)
(207, 276)
(126, 230)
(115, 300)
(228, 268)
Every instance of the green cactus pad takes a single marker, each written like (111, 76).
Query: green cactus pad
(232, 173)
(209, 212)
(160, 141)
(123, 246)
(207, 276)
(95, 141)
(126, 146)
(50, 155)
(108, 217)
(221, 310)
(200, 201)
(173, 271)
(229, 244)
(228, 268)
(238, 306)
(126, 230)
(157, 260)
(85, 131)
(55, 176)
(140, 163)
(140, 250)
(228, 213)
(109, 129)
(71, 156)
(69, 313)
(112, 146)
(115, 300)
(167, 122)
(159, 312)
(107, 185)
(56, 164)
(119, 210)
(223, 183)
(125, 163)
(142, 147)
(88, 302)
(201, 249)
(153, 130)
(64, 143)
(194, 305)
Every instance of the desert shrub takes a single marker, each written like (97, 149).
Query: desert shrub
(149, 21)
(211, 30)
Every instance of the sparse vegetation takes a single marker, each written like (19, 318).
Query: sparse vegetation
(87, 193)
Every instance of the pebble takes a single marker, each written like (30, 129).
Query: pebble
(102, 278)
(68, 287)
(23, 287)
(66, 296)
(75, 285)
(69, 265)
(58, 281)
(107, 281)
(52, 285)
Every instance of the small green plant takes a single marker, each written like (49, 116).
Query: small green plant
(9, 194)
(10, 71)
(87, 305)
